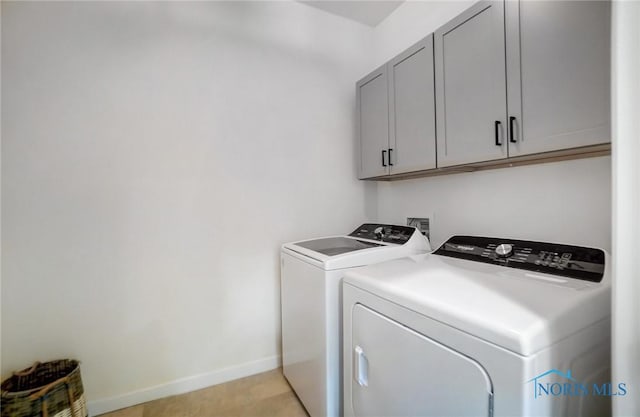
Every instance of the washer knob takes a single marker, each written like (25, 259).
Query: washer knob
(504, 250)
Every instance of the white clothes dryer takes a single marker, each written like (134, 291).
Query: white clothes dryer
(311, 274)
(480, 327)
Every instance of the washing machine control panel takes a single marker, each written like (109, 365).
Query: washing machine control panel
(384, 232)
(550, 258)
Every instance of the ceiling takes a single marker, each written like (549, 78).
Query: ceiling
(364, 11)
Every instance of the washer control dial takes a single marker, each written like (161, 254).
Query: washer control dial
(504, 250)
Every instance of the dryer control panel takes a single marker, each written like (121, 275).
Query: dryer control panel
(384, 232)
(550, 258)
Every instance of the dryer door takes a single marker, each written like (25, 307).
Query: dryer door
(399, 372)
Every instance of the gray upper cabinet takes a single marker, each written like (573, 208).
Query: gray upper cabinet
(471, 86)
(412, 135)
(503, 83)
(558, 74)
(396, 111)
(373, 123)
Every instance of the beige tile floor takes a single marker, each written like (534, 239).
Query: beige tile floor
(263, 395)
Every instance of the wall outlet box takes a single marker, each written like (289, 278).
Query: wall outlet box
(420, 223)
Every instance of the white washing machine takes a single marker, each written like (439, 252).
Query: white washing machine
(311, 274)
(480, 327)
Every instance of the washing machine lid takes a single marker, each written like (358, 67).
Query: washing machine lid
(332, 246)
(521, 310)
(370, 243)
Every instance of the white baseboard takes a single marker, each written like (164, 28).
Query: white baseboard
(182, 385)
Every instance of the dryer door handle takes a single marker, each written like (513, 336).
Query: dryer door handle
(361, 364)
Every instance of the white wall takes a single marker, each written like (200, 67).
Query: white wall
(154, 157)
(626, 205)
(561, 202)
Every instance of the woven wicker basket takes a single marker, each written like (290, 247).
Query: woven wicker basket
(50, 389)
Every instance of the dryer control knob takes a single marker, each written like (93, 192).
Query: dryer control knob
(504, 250)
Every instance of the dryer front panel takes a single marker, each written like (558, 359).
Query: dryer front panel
(399, 372)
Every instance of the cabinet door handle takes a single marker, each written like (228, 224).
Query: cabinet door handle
(384, 154)
(497, 132)
(512, 139)
(390, 150)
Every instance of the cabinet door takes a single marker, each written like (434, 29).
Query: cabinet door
(471, 86)
(558, 58)
(373, 118)
(399, 372)
(412, 114)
